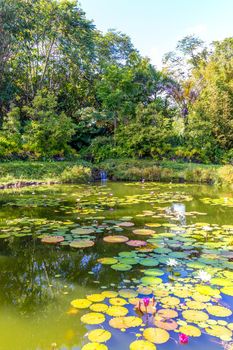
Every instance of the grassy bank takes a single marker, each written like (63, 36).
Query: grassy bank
(117, 169)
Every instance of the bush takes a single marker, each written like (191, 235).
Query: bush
(199, 175)
(76, 174)
(225, 175)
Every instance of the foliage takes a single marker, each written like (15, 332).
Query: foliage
(76, 174)
(65, 87)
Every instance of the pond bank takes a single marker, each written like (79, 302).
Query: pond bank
(29, 173)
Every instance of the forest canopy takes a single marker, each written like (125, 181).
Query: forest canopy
(67, 89)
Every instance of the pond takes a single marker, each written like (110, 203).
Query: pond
(116, 266)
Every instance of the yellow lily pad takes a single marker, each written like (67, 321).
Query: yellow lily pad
(117, 311)
(171, 301)
(99, 307)
(219, 331)
(156, 335)
(94, 346)
(125, 322)
(142, 345)
(81, 303)
(99, 335)
(195, 315)
(96, 297)
(144, 232)
(195, 305)
(219, 311)
(207, 290)
(109, 294)
(117, 301)
(191, 331)
(93, 318)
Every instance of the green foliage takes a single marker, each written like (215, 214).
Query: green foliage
(47, 133)
(76, 174)
(65, 87)
(10, 135)
(225, 175)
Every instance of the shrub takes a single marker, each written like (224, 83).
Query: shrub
(225, 174)
(76, 174)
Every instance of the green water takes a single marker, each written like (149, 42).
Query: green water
(38, 281)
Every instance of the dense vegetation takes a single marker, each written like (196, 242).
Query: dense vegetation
(66, 89)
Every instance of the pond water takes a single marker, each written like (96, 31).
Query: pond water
(171, 243)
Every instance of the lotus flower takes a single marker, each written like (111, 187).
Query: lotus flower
(204, 276)
(172, 262)
(183, 339)
(146, 302)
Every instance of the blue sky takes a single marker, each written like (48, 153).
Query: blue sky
(155, 26)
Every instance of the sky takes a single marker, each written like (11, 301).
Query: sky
(155, 26)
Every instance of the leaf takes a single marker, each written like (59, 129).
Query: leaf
(142, 345)
(81, 243)
(191, 331)
(117, 311)
(93, 318)
(125, 322)
(156, 335)
(52, 239)
(99, 335)
(115, 239)
(143, 232)
(94, 346)
(81, 303)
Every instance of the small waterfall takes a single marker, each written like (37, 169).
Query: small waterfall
(103, 176)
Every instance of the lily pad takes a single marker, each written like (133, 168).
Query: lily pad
(81, 243)
(52, 239)
(142, 345)
(156, 335)
(93, 318)
(81, 303)
(99, 335)
(115, 239)
(143, 232)
(125, 322)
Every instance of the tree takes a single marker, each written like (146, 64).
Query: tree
(47, 133)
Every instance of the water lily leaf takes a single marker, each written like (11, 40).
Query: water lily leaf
(117, 301)
(128, 293)
(81, 243)
(195, 305)
(149, 262)
(99, 335)
(93, 318)
(170, 301)
(207, 290)
(219, 331)
(96, 297)
(126, 224)
(167, 313)
(142, 345)
(195, 315)
(52, 239)
(81, 303)
(219, 311)
(99, 307)
(154, 272)
(191, 331)
(143, 232)
(115, 239)
(153, 225)
(227, 290)
(148, 280)
(165, 323)
(109, 294)
(107, 261)
(156, 335)
(117, 311)
(121, 267)
(125, 322)
(94, 346)
(82, 231)
(136, 243)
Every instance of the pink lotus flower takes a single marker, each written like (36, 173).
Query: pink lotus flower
(146, 301)
(183, 339)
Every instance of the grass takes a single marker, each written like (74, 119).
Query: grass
(117, 169)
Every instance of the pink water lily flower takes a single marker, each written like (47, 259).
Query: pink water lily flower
(183, 338)
(146, 301)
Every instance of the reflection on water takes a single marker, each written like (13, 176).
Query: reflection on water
(37, 282)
